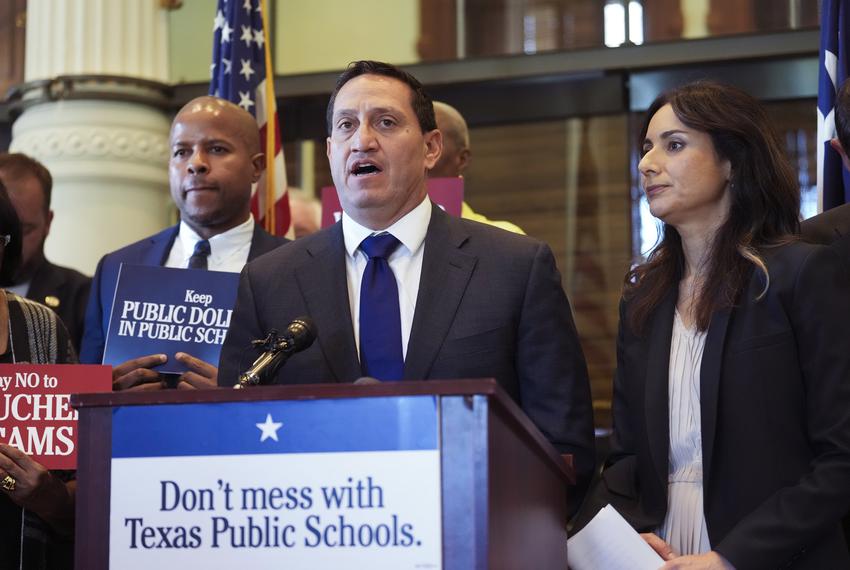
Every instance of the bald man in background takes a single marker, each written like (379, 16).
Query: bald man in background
(214, 160)
(306, 212)
(455, 158)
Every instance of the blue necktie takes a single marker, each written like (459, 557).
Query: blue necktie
(380, 320)
(200, 255)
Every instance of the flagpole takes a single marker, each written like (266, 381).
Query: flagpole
(271, 127)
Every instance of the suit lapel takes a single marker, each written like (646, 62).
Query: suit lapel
(446, 271)
(710, 368)
(322, 281)
(160, 247)
(657, 379)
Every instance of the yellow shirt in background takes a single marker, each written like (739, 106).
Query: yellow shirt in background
(469, 214)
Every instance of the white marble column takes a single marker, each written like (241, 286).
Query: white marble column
(104, 141)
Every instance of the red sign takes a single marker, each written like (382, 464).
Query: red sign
(447, 193)
(35, 412)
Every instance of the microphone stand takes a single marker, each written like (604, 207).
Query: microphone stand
(275, 351)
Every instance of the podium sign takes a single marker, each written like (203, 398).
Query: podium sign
(402, 475)
(330, 483)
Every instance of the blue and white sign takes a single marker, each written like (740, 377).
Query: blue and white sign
(159, 310)
(337, 483)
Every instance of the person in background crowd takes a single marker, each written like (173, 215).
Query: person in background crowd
(731, 404)
(63, 289)
(306, 212)
(36, 505)
(455, 158)
(215, 158)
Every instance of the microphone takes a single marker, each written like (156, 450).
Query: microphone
(276, 350)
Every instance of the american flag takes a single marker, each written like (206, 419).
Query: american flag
(833, 180)
(241, 72)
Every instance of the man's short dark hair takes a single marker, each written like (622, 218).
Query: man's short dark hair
(17, 165)
(842, 115)
(419, 100)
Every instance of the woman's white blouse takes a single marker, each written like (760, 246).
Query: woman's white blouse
(684, 527)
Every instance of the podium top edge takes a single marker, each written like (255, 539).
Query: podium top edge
(487, 387)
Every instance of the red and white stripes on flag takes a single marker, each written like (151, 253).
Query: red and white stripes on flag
(242, 72)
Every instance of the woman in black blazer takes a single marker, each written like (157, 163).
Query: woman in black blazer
(733, 356)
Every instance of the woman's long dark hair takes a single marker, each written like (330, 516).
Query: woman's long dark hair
(9, 225)
(764, 209)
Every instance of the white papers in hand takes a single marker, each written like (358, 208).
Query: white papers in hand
(609, 542)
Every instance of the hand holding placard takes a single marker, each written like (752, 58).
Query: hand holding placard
(136, 373)
(37, 489)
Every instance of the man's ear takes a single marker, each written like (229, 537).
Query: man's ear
(259, 162)
(49, 221)
(433, 148)
(837, 147)
(463, 158)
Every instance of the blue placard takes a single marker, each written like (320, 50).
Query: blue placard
(275, 426)
(162, 310)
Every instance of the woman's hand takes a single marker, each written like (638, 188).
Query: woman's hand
(37, 489)
(658, 545)
(708, 561)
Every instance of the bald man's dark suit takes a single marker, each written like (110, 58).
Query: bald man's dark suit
(490, 304)
(152, 251)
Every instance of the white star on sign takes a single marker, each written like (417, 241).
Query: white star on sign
(247, 6)
(258, 38)
(219, 21)
(225, 33)
(247, 36)
(269, 429)
(245, 100)
(246, 70)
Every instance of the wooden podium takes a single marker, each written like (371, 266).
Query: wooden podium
(503, 486)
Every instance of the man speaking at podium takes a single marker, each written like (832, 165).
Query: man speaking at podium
(398, 290)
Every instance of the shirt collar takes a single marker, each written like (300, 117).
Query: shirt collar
(219, 243)
(410, 230)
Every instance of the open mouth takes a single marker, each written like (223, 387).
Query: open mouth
(365, 169)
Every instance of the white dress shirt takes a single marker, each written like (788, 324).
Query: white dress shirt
(228, 250)
(405, 262)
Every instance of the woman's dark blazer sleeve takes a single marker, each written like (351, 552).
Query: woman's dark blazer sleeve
(802, 517)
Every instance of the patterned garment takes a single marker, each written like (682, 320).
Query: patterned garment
(38, 337)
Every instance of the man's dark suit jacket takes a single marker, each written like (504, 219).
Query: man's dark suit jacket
(490, 305)
(51, 283)
(149, 251)
(775, 413)
(830, 228)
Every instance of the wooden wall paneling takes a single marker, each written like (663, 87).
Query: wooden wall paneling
(12, 43)
(437, 30)
(519, 173)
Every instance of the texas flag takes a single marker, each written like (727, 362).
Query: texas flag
(833, 180)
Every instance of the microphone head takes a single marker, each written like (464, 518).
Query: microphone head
(301, 332)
